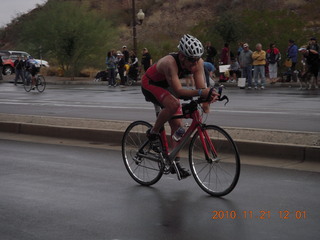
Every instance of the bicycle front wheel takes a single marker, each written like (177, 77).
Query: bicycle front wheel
(217, 173)
(27, 83)
(143, 165)
(41, 83)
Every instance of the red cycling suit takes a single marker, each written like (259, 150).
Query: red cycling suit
(155, 85)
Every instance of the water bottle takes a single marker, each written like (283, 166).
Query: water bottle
(178, 134)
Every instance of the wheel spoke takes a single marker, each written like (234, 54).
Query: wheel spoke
(220, 176)
(142, 169)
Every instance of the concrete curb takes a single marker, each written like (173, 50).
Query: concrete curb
(298, 146)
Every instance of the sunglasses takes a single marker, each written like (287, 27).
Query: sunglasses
(192, 59)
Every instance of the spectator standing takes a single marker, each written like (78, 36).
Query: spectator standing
(225, 55)
(209, 73)
(245, 60)
(134, 65)
(126, 54)
(19, 66)
(273, 58)
(292, 54)
(259, 62)
(211, 52)
(313, 60)
(146, 60)
(121, 69)
(111, 67)
(240, 48)
(24, 71)
(234, 70)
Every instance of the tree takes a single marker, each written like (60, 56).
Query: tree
(69, 33)
(228, 28)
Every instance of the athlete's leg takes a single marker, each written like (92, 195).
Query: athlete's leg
(170, 105)
(175, 124)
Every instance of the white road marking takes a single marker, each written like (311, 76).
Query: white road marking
(98, 105)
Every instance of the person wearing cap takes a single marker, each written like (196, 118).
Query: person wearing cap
(162, 86)
(313, 60)
(245, 61)
(125, 53)
(292, 54)
(146, 59)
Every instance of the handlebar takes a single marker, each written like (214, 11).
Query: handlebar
(192, 106)
(220, 97)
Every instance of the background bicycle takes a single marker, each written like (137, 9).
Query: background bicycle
(39, 83)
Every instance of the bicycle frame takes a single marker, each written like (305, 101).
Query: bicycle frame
(195, 125)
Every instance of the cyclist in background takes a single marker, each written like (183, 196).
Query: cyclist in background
(161, 85)
(32, 67)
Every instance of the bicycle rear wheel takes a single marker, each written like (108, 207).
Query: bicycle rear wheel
(143, 165)
(41, 83)
(129, 81)
(218, 173)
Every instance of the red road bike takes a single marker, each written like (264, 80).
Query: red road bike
(213, 156)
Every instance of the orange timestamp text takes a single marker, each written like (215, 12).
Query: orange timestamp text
(262, 214)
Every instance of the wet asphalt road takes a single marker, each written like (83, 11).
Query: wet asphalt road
(65, 192)
(273, 108)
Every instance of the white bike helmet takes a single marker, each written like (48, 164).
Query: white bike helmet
(190, 46)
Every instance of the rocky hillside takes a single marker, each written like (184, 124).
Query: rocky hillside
(166, 21)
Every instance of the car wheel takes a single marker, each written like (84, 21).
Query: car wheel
(7, 70)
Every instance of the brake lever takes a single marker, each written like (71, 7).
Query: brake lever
(224, 97)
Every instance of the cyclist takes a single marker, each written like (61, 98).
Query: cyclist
(161, 85)
(32, 67)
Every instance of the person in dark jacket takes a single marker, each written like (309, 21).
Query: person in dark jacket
(120, 66)
(211, 52)
(126, 54)
(134, 65)
(273, 58)
(146, 60)
(313, 61)
(19, 67)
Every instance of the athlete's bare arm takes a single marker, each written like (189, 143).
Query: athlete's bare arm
(167, 66)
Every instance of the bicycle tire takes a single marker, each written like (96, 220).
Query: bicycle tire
(27, 83)
(41, 83)
(129, 81)
(144, 171)
(219, 176)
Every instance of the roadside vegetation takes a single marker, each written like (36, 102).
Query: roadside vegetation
(70, 35)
